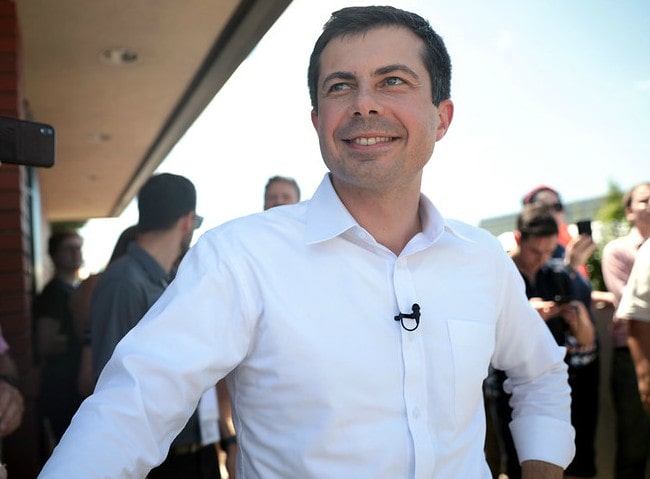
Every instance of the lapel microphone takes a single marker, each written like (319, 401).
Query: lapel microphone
(415, 314)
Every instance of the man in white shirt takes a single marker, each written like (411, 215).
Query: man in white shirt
(354, 329)
(635, 307)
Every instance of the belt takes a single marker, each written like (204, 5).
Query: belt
(186, 449)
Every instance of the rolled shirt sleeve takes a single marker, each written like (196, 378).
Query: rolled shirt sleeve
(537, 379)
(635, 302)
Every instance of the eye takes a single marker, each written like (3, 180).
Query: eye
(393, 81)
(339, 87)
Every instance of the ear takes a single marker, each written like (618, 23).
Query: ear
(314, 118)
(186, 222)
(629, 214)
(517, 235)
(445, 115)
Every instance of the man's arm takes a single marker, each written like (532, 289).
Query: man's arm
(540, 470)
(635, 307)
(639, 343)
(615, 271)
(228, 443)
(11, 401)
(537, 378)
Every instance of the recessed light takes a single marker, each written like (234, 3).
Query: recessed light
(118, 56)
(99, 137)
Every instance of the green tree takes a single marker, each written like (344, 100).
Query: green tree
(613, 224)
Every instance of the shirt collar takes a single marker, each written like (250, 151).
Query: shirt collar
(636, 237)
(328, 217)
(148, 263)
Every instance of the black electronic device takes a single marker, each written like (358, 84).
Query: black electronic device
(24, 142)
(584, 227)
(414, 315)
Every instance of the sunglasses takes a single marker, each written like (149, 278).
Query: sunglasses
(198, 221)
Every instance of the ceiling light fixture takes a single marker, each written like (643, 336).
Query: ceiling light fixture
(99, 137)
(118, 56)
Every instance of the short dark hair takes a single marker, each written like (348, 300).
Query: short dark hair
(286, 179)
(355, 20)
(162, 200)
(57, 239)
(536, 220)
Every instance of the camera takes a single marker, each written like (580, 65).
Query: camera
(562, 285)
(27, 143)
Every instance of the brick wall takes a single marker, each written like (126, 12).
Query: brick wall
(21, 450)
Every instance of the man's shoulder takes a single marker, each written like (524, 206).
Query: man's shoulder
(122, 272)
(472, 233)
(286, 220)
(55, 287)
(626, 244)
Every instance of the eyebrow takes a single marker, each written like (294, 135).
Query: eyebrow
(340, 75)
(343, 75)
(398, 67)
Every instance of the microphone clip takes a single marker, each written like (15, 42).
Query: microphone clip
(415, 315)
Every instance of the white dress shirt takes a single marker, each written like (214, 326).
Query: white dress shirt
(635, 303)
(296, 306)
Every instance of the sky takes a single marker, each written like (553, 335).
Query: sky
(549, 92)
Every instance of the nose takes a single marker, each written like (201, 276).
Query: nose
(366, 103)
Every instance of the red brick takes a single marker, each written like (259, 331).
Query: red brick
(14, 304)
(16, 326)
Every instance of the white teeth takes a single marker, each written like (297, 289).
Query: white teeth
(371, 141)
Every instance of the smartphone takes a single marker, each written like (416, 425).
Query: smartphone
(27, 143)
(584, 227)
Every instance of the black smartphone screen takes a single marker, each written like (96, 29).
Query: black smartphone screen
(584, 227)
(25, 142)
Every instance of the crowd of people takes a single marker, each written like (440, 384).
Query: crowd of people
(300, 341)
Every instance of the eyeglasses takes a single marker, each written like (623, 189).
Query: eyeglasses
(198, 221)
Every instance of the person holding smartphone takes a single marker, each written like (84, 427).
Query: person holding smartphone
(551, 290)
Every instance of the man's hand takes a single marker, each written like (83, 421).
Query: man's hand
(11, 408)
(540, 470)
(576, 316)
(546, 309)
(579, 250)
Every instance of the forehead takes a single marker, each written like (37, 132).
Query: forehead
(374, 48)
(72, 239)
(540, 243)
(281, 185)
(546, 196)
(641, 192)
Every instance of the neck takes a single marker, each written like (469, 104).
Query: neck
(644, 229)
(68, 277)
(528, 273)
(392, 219)
(163, 246)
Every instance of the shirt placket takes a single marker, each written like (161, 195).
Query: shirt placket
(415, 367)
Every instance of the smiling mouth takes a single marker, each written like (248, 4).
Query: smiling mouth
(370, 141)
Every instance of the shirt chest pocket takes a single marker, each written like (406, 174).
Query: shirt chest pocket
(472, 345)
